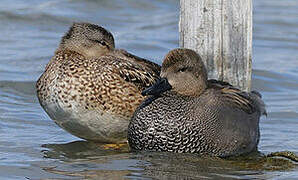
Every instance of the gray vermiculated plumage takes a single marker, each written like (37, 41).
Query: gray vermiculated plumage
(219, 121)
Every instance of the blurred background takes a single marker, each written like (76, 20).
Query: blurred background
(33, 147)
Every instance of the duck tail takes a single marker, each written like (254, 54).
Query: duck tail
(258, 99)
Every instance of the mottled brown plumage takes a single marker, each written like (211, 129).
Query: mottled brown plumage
(91, 89)
(190, 114)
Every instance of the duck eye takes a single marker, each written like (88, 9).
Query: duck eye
(101, 42)
(182, 69)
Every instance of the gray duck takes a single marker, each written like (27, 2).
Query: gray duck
(186, 113)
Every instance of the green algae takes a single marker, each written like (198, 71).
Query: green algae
(275, 161)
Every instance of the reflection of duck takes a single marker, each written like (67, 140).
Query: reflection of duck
(80, 150)
(91, 89)
(189, 113)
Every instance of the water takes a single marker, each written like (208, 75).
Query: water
(33, 147)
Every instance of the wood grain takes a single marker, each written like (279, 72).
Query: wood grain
(221, 32)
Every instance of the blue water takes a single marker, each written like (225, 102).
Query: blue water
(33, 147)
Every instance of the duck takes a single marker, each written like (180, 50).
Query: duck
(187, 113)
(90, 88)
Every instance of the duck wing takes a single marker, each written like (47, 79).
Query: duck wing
(133, 71)
(148, 65)
(250, 102)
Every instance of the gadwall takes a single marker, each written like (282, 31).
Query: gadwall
(189, 114)
(91, 89)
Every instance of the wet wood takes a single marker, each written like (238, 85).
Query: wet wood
(221, 32)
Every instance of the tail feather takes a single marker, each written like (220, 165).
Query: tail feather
(258, 99)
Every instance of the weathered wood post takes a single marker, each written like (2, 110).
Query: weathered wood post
(221, 32)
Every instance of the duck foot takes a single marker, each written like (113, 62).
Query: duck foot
(117, 146)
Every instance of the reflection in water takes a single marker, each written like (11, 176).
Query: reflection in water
(92, 160)
(30, 33)
(168, 165)
(93, 174)
(80, 150)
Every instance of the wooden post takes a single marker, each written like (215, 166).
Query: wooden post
(221, 32)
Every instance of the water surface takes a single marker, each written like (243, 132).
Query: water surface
(33, 147)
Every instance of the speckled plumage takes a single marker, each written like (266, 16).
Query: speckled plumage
(218, 120)
(91, 89)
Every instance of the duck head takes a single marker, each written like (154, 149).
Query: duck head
(87, 39)
(183, 72)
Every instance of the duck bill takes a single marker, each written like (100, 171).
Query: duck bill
(159, 87)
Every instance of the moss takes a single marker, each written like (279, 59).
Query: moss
(276, 161)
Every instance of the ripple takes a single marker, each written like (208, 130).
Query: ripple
(33, 146)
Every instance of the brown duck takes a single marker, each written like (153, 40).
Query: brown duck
(91, 89)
